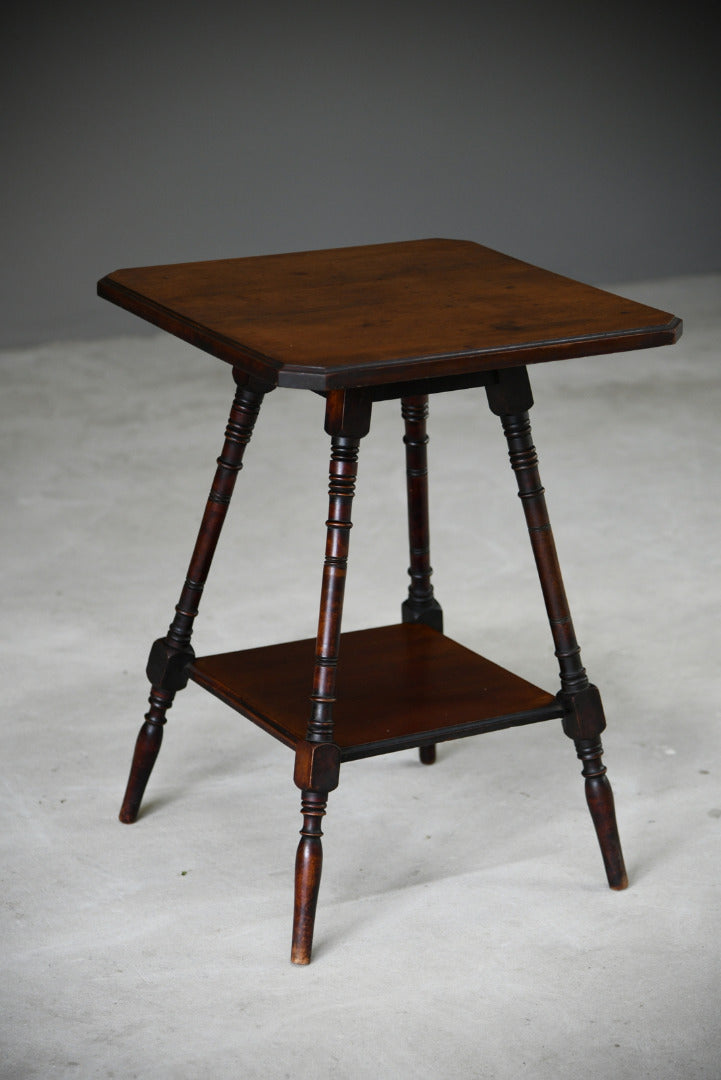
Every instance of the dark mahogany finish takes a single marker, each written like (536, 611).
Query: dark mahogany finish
(420, 605)
(383, 314)
(170, 656)
(347, 419)
(425, 688)
(583, 713)
(361, 325)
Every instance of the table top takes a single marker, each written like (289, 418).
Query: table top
(383, 314)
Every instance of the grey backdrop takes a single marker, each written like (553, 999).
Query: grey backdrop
(581, 137)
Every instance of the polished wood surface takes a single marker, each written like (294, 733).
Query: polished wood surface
(397, 687)
(420, 605)
(347, 420)
(169, 656)
(361, 325)
(381, 314)
(583, 716)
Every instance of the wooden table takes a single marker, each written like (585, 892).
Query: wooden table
(360, 325)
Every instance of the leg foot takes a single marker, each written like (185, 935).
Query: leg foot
(599, 797)
(308, 866)
(147, 746)
(427, 754)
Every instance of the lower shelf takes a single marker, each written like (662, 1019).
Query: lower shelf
(398, 687)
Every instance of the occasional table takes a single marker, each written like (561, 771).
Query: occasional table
(359, 325)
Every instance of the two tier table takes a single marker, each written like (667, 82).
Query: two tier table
(359, 325)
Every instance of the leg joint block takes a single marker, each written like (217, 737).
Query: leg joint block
(167, 667)
(423, 611)
(509, 391)
(317, 766)
(583, 716)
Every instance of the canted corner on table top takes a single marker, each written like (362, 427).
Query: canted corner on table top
(227, 349)
(341, 376)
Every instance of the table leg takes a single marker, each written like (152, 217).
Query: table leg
(170, 656)
(317, 762)
(420, 606)
(583, 721)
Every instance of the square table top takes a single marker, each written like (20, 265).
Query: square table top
(383, 313)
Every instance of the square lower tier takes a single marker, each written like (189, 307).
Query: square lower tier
(397, 687)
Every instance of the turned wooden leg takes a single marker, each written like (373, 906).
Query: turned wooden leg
(308, 866)
(583, 721)
(170, 656)
(317, 762)
(427, 754)
(599, 797)
(420, 604)
(147, 747)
